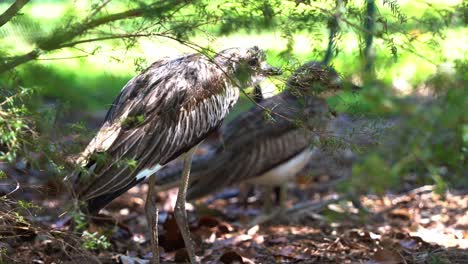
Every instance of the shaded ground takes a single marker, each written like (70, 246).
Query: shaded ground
(414, 227)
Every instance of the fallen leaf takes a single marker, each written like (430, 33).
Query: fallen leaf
(181, 256)
(384, 256)
(278, 240)
(231, 257)
(172, 238)
(209, 221)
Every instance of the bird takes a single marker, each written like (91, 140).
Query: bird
(159, 115)
(268, 144)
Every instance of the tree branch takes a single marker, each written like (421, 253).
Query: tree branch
(334, 27)
(98, 9)
(12, 11)
(79, 29)
(61, 36)
(369, 25)
(119, 36)
(18, 60)
(410, 49)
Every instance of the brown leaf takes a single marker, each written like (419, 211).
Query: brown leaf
(209, 221)
(215, 224)
(172, 238)
(384, 256)
(401, 214)
(181, 256)
(286, 251)
(278, 240)
(225, 228)
(232, 241)
(231, 257)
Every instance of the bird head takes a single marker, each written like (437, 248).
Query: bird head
(316, 79)
(247, 65)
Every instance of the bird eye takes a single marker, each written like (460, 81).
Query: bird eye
(253, 62)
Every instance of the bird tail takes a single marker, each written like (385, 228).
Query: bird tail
(79, 183)
(95, 204)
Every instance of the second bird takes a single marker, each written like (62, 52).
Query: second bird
(270, 143)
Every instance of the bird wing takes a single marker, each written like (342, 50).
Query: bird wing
(272, 116)
(252, 144)
(158, 115)
(258, 156)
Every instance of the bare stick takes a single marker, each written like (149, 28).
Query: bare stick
(12, 11)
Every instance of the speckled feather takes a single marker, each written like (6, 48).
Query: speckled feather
(161, 113)
(253, 144)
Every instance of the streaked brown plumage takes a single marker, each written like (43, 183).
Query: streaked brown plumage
(160, 114)
(253, 145)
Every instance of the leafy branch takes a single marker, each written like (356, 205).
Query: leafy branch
(64, 37)
(12, 11)
(395, 8)
(334, 26)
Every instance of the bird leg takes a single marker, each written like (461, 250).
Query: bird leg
(152, 218)
(270, 213)
(244, 192)
(282, 196)
(267, 202)
(179, 209)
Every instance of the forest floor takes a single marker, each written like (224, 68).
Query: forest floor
(417, 226)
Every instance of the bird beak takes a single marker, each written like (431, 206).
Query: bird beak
(268, 70)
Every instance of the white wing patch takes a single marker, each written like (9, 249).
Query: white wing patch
(148, 172)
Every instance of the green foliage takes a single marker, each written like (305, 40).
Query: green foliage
(427, 141)
(80, 86)
(24, 205)
(372, 174)
(131, 163)
(133, 121)
(94, 241)
(15, 126)
(15, 215)
(3, 254)
(396, 9)
(79, 220)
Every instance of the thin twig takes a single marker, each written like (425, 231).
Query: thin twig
(64, 58)
(98, 9)
(298, 208)
(12, 11)
(56, 41)
(120, 36)
(362, 29)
